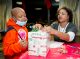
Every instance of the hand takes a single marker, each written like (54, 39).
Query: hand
(23, 43)
(48, 29)
(38, 26)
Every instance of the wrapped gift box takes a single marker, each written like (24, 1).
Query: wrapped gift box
(38, 43)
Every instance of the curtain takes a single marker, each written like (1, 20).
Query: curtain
(5, 9)
(74, 5)
(78, 16)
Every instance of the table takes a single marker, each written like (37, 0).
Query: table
(71, 47)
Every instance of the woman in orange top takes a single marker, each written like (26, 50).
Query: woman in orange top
(16, 39)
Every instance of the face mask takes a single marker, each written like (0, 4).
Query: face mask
(21, 23)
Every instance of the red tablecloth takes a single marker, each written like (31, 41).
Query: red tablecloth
(72, 48)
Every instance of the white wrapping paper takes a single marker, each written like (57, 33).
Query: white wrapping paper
(38, 43)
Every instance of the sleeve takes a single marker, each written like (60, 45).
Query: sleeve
(72, 30)
(71, 35)
(10, 45)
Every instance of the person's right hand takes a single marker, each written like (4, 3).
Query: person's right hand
(38, 26)
(47, 29)
(23, 43)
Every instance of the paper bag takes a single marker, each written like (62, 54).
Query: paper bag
(38, 43)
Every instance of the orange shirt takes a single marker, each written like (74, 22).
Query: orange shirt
(11, 46)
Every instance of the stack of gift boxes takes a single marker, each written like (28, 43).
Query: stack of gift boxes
(38, 43)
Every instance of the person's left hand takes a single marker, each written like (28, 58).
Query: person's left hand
(23, 43)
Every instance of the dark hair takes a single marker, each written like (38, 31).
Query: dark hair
(69, 12)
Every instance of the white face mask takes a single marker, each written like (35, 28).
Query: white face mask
(21, 23)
